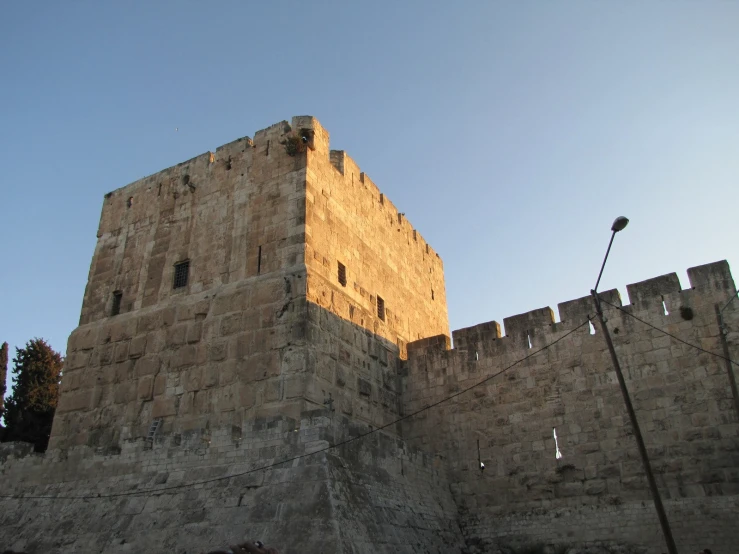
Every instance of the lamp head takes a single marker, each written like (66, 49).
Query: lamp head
(619, 224)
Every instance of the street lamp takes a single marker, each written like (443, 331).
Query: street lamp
(618, 225)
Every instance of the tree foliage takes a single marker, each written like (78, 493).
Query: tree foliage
(3, 377)
(3, 373)
(29, 410)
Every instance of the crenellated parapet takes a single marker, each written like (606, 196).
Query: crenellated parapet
(709, 284)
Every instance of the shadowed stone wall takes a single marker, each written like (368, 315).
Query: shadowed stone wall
(373, 495)
(596, 493)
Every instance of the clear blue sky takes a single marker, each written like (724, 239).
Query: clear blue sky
(510, 133)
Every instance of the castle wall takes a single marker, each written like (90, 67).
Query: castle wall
(349, 221)
(597, 491)
(218, 350)
(219, 210)
(374, 495)
(354, 352)
(265, 355)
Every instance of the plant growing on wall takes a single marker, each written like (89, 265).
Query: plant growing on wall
(29, 410)
(297, 142)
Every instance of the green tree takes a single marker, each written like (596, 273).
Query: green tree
(3, 377)
(29, 410)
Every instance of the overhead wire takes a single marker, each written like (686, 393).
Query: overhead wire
(158, 491)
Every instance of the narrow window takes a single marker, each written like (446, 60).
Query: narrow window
(557, 453)
(342, 274)
(181, 271)
(116, 308)
(381, 308)
(129, 202)
(432, 294)
(259, 260)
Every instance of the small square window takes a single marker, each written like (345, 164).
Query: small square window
(116, 308)
(381, 308)
(342, 274)
(181, 271)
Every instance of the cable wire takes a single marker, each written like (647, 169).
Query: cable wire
(666, 333)
(730, 301)
(155, 492)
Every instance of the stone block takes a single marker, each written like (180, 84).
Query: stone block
(124, 393)
(193, 310)
(121, 351)
(156, 342)
(294, 386)
(230, 324)
(177, 335)
(122, 330)
(83, 338)
(210, 375)
(364, 387)
(230, 302)
(184, 356)
(194, 332)
(247, 396)
(148, 365)
(272, 390)
(226, 372)
(160, 384)
(137, 347)
(146, 387)
(193, 379)
(163, 407)
(217, 351)
(73, 401)
(104, 354)
(149, 322)
(77, 359)
(123, 371)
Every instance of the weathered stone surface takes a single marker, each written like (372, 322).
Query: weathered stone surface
(306, 292)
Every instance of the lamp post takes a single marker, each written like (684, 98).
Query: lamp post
(723, 331)
(618, 225)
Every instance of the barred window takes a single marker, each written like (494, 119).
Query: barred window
(181, 271)
(381, 308)
(116, 308)
(342, 274)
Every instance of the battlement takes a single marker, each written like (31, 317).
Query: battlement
(709, 284)
(349, 169)
(392, 281)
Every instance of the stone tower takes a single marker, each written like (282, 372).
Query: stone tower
(232, 285)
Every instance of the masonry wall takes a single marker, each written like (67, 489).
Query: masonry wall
(596, 492)
(196, 491)
(265, 355)
(354, 349)
(218, 350)
(218, 210)
(349, 221)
